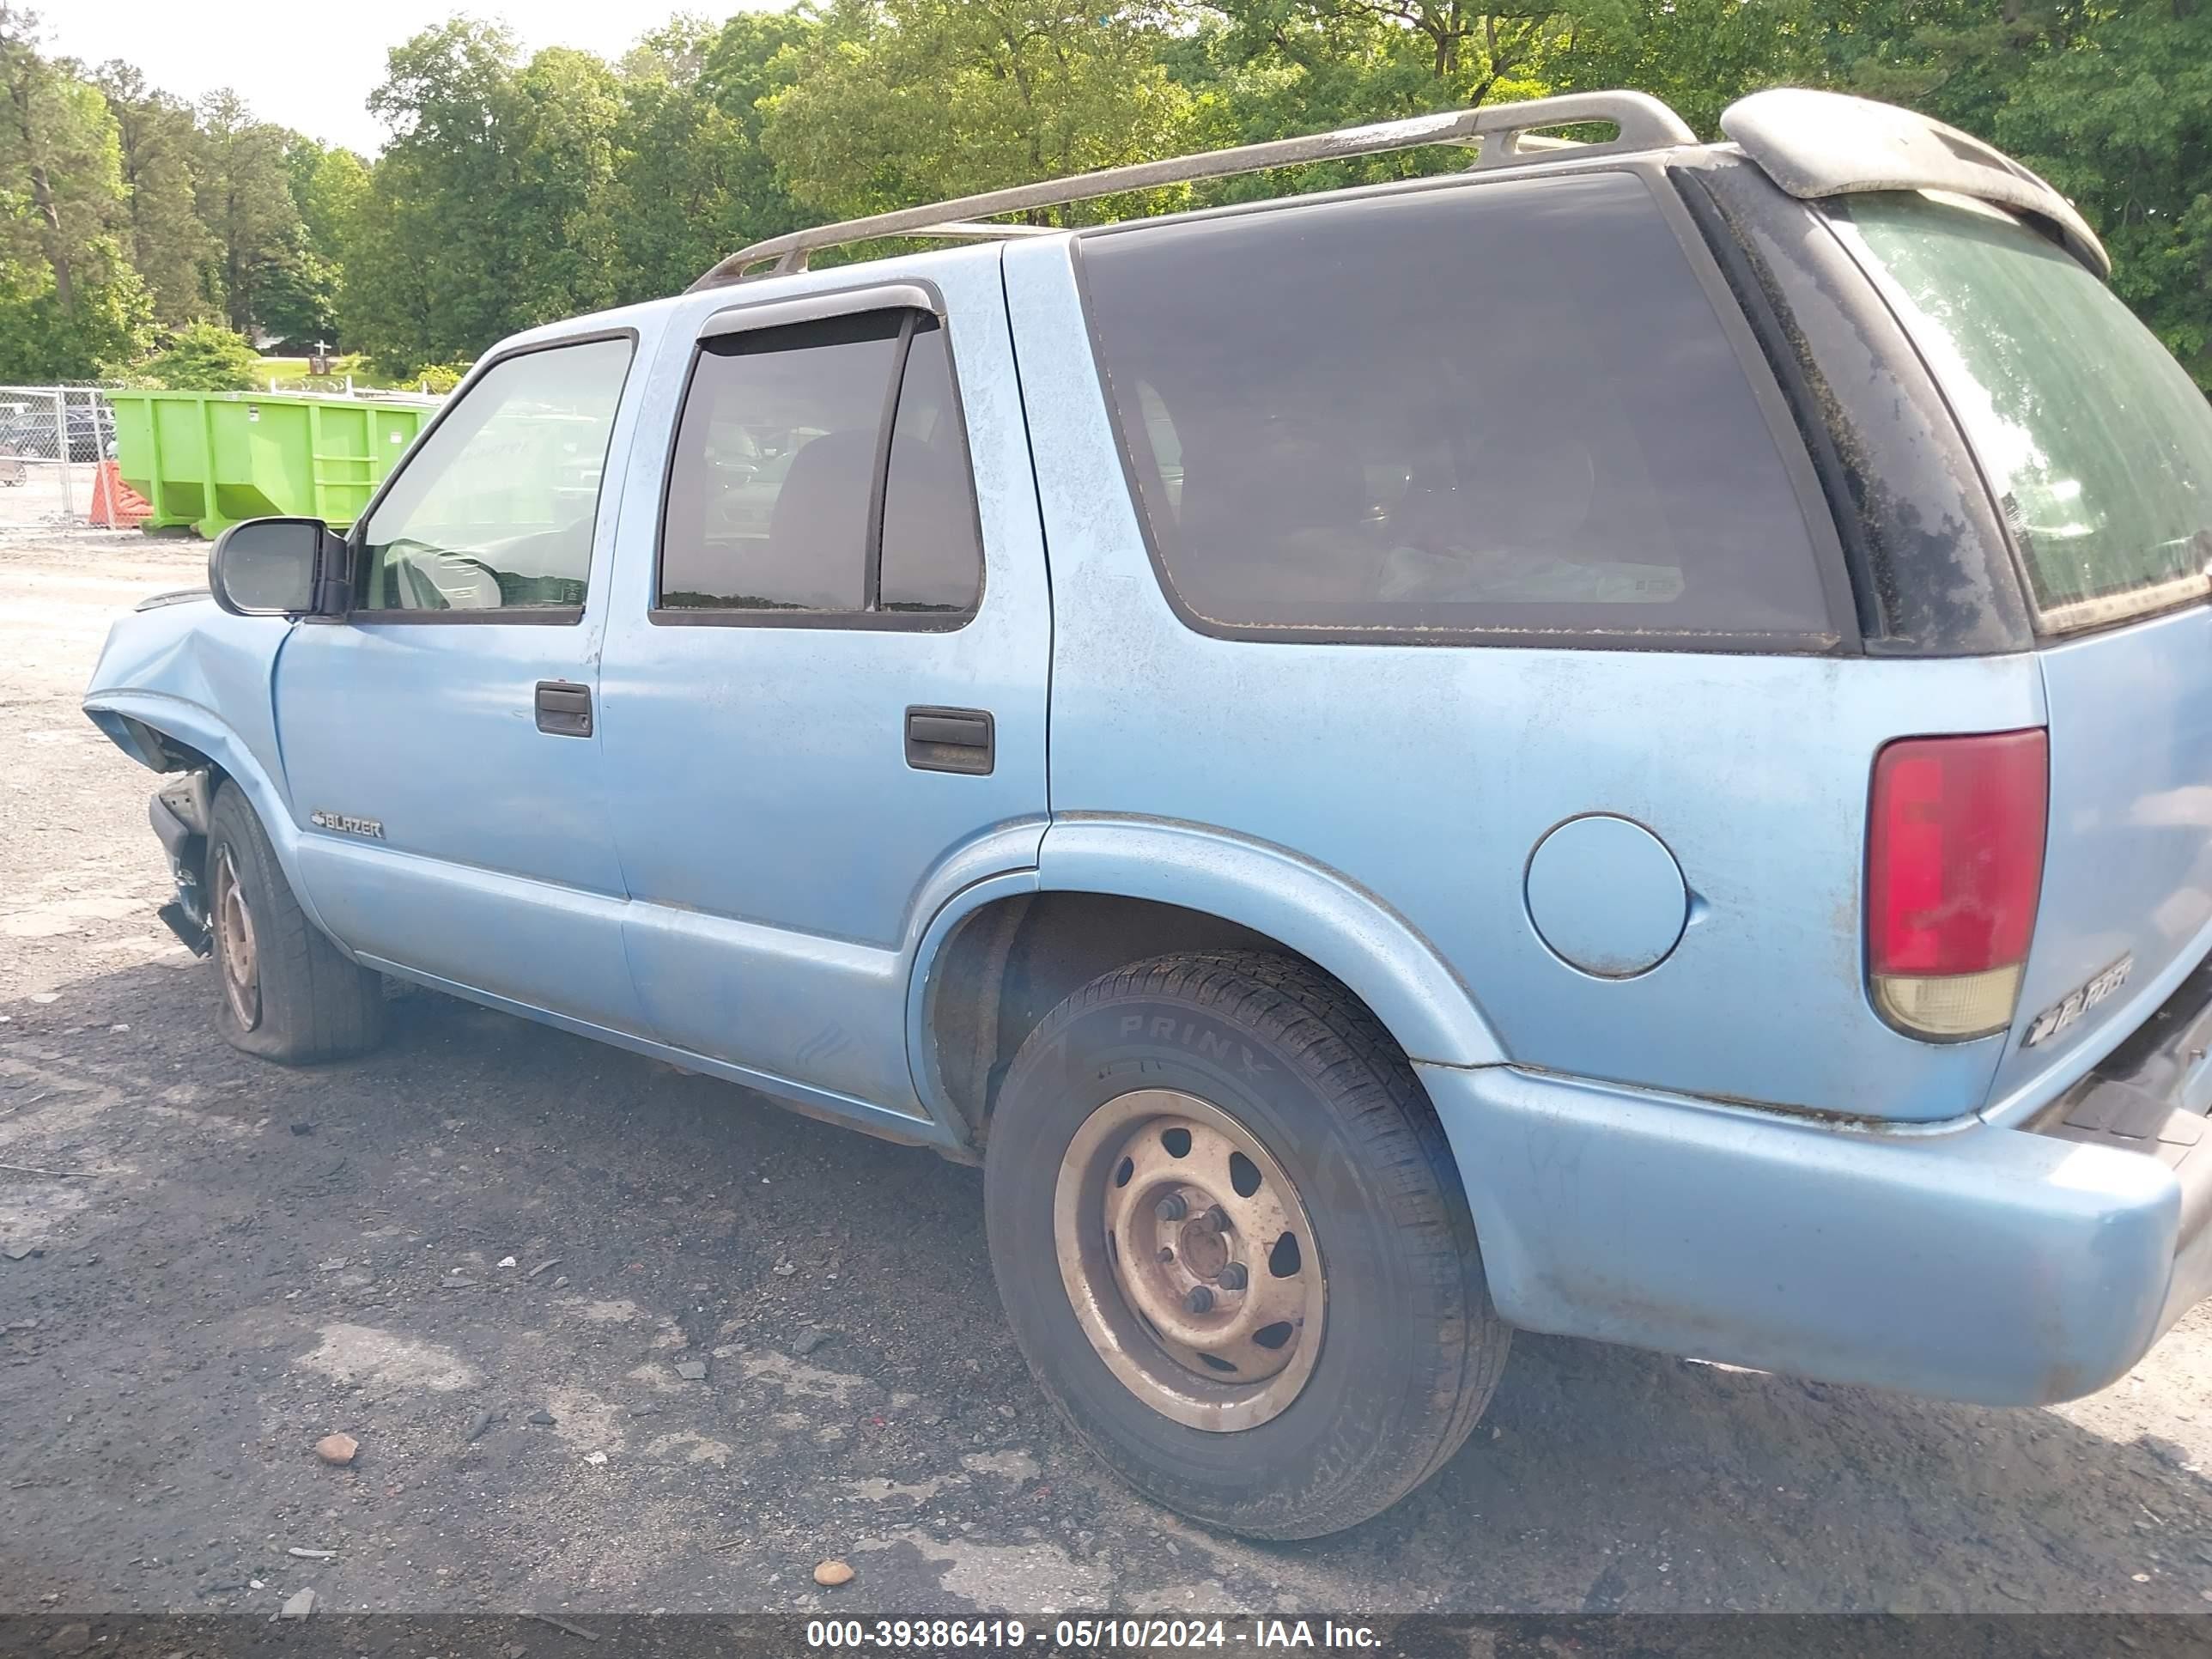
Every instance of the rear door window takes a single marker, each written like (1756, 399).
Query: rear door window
(821, 473)
(2097, 443)
(1504, 408)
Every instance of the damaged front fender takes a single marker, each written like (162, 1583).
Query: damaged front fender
(187, 689)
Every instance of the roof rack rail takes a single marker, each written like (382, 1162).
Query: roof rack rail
(1641, 120)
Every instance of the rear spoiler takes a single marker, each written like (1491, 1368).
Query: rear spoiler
(1817, 144)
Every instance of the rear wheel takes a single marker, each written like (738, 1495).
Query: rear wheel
(1233, 1247)
(282, 990)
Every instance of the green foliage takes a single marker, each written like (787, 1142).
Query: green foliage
(244, 188)
(521, 154)
(517, 190)
(106, 326)
(692, 179)
(296, 294)
(2117, 111)
(61, 197)
(156, 139)
(304, 288)
(205, 357)
(1698, 56)
(898, 101)
(438, 377)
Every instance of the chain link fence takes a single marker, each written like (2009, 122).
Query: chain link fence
(57, 450)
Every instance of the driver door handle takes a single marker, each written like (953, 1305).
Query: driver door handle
(564, 709)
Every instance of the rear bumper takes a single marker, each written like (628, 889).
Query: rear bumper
(2003, 1266)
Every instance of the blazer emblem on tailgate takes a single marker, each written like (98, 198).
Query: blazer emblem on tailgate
(2054, 1019)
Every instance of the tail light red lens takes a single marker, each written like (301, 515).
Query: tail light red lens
(1954, 869)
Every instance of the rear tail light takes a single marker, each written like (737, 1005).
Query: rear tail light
(1954, 867)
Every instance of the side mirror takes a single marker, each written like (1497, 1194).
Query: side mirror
(280, 567)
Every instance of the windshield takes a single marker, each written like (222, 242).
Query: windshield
(2097, 442)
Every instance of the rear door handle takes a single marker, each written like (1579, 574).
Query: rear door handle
(948, 740)
(564, 709)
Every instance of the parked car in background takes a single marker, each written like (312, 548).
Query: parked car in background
(1615, 744)
(34, 430)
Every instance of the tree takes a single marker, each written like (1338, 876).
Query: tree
(561, 121)
(70, 302)
(691, 182)
(205, 357)
(245, 197)
(296, 298)
(330, 184)
(488, 210)
(896, 101)
(166, 240)
(105, 329)
(1274, 69)
(416, 292)
(299, 287)
(2117, 111)
(59, 157)
(2110, 100)
(1697, 56)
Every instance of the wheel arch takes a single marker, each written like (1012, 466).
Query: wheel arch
(168, 734)
(1002, 954)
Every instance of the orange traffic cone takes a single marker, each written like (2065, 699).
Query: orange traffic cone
(115, 504)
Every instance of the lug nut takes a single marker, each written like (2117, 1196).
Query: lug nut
(1234, 1276)
(1201, 1300)
(1218, 1218)
(1172, 1208)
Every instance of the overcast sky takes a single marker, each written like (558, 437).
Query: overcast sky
(310, 63)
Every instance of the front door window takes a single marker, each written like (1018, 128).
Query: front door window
(494, 511)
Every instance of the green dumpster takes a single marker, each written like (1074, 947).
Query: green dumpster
(211, 459)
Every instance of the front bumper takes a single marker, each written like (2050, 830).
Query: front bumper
(2003, 1266)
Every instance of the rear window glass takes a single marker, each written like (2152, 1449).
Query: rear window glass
(2097, 443)
(1509, 407)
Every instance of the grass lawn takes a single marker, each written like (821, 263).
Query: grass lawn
(290, 374)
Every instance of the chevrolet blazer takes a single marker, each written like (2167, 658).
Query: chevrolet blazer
(1617, 741)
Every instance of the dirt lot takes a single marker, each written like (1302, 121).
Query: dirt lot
(261, 1256)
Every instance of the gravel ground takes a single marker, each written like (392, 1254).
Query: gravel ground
(262, 1256)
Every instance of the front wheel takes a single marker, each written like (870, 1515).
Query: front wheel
(282, 990)
(1233, 1246)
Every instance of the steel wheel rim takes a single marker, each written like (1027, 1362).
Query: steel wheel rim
(1157, 1171)
(236, 954)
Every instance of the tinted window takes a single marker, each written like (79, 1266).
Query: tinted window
(2098, 444)
(778, 454)
(496, 510)
(932, 561)
(1507, 407)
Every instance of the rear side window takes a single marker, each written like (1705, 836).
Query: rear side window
(1504, 408)
(821, 470)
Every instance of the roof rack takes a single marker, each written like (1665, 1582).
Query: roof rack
(1641, 122)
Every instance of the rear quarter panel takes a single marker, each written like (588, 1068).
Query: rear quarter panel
(1426, 775)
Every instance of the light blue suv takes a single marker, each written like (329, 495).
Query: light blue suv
(1617, 742)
